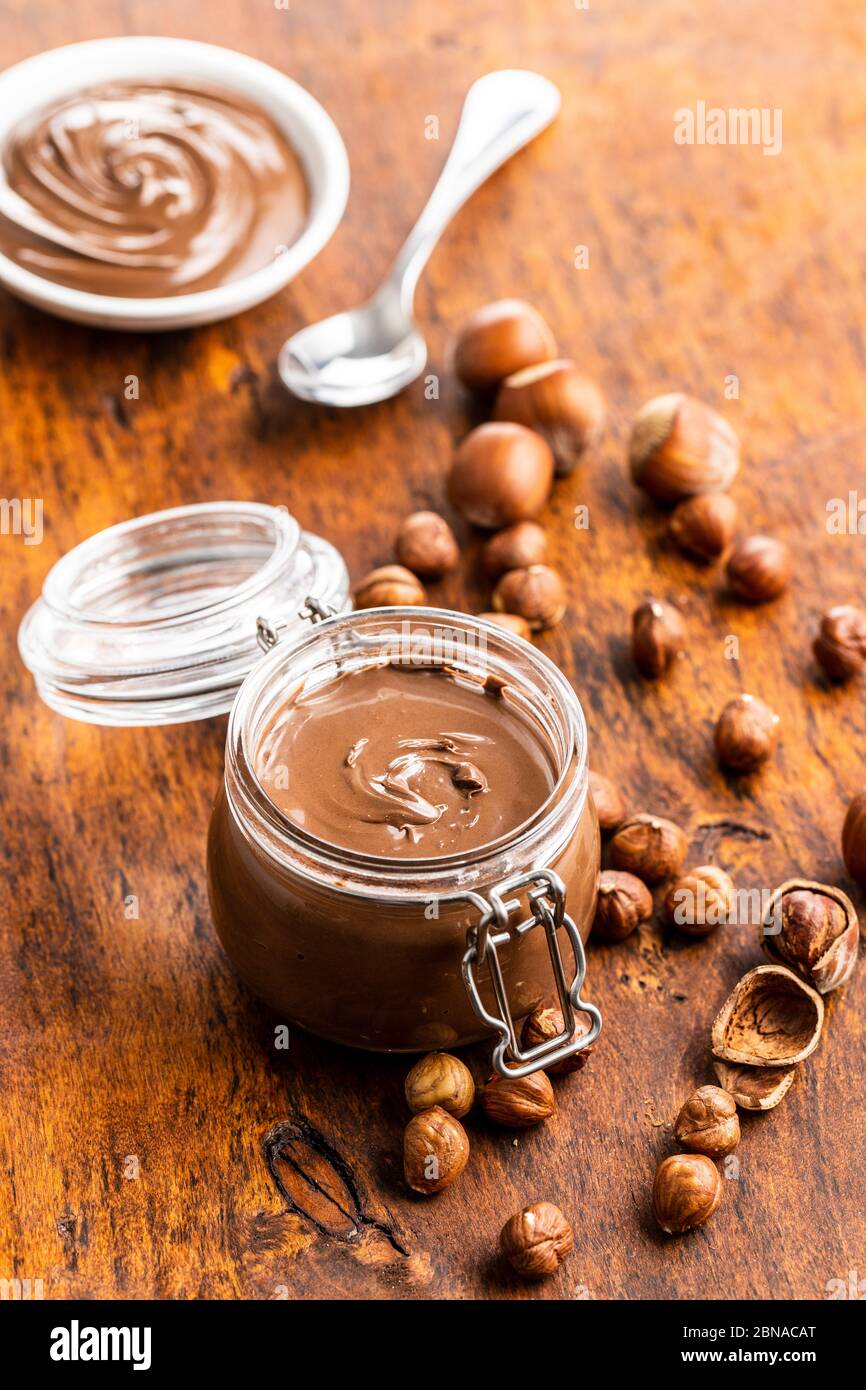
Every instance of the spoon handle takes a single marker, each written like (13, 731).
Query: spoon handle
(502, 112)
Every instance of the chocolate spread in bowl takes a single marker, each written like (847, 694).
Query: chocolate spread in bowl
(152, 190)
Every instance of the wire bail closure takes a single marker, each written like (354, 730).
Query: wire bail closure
(547, 902)
(313, 611)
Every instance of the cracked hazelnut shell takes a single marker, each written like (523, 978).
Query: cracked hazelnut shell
(747, 731)
(759, 569)
(840, 647)
(536, 594)
(708, 1123)
(389, 586)
(500, 474)
(544, 1024)
(554, 398)
(623, 902)
(426, 545)
(700, 900)
(658, 636)
(854, 837)
(686, 1191)
(755, 1088)
(703, 527)
(812, 928)
(608, 801)
(771, 1018)
(498, 339)
(650, 847)
(518, 1102)
(435, 1150)
(440, 1079)
(537, 1240)
(680, 447)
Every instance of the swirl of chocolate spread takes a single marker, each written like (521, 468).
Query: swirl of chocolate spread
(152, 190)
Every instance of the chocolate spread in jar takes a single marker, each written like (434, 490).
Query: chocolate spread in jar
(152, 190)
(405, 762)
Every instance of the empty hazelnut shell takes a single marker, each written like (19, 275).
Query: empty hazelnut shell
(812, 928)
(755, 1088)
(772, 1018)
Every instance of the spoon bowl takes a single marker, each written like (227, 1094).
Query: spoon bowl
(355, 358)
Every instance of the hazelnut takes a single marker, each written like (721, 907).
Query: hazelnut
(389, 586)
(708, 1123)
(537, 1240)
(499, 339)
(759, 569)
(704, 526)
(511, 622)
(854, 838)
(609, 803)
(840, 647)
(623, 902)
(440, 1079)
(435, 1150)
(771, 1018)
(814, 929)
(501, 473)
(555, 399)
(658, 635)
(746, 733)
(649, 846)
(686, 1191)
(516, 548)
(425, 544)
(536, 594)
(544, 1024)
(680, 447)
(700, 900)
(755, 1088)
(518, 1102)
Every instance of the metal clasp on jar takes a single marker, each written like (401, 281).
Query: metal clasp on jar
(494, 929)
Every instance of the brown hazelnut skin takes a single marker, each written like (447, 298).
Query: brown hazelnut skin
(650, 847)
(389, 586)
(680, 447)
(854, 838)
(518, 1102)
(435, 1150)
(840, 647)
(555, 399)
(440, 1079)
(501, 473)
(498, 339)
(536, 594)
(623, 902)
(686, 1191)
(700, 900)
(542, 1025)
(746, 733)
(708, 1123)
(426, 545)
(759, 569)
(511, 622)
(515, 548)
(704, 526)
(537, 1240)
(608, 801)
(812, 928)
(658, 636)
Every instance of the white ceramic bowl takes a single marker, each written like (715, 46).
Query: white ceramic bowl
(63, 71)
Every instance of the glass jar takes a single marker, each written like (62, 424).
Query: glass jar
(417, 953)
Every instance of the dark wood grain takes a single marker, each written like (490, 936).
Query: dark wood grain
(263, 1174)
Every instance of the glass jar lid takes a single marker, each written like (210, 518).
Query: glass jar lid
(155, 621)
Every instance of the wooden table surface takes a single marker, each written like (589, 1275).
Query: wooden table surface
(155, 1144)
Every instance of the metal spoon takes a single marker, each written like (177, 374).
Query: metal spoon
(370, 353)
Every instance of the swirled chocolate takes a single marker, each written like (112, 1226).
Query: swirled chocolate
(147, 190)
(405, 761)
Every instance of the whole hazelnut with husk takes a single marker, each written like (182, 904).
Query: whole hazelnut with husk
(542, 1025)
(559, 402)
(609, 803)
(435, 1150)
(425, 544)
(537, 1240)
(518, 1102)
(772, 1018)
(515, 548)
(812, 928)
(840, 647)
(658, 636)
(536, 594)
(755, 1088)
(708, 1123)
(759, 569)
(500, 474)
(440, 1079)
(700, 900)
(704, 526)
(746, 733)
(390, 586)
(686, 1191)
(854, 837)
(649, 846)
(680, 447)
(623, 902)
(510, 622)
(499, 339)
